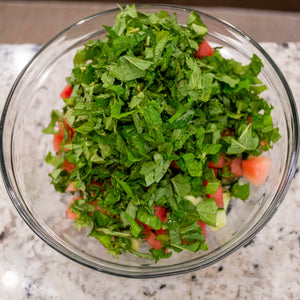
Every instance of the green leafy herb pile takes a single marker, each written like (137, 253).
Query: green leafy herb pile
(145, 118)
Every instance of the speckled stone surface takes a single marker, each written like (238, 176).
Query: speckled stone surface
(266, 268)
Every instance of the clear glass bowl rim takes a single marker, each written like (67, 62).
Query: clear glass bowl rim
(156, 273)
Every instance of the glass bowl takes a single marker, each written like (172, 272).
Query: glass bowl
(24, 147)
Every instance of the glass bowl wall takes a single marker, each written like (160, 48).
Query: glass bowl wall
(24, 147)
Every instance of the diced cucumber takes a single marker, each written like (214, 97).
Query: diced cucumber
(135, 244)
(221, 218)
(226, 198)
(193, 199)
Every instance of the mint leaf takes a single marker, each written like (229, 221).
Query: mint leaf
(135, 229)
(235, 147)
(193, 165)
(247, 138)
(212, 186)
(155, 170)
(240, 191)
(103, 238)
(139, 63)
(55, 116)
(232, 82)
(181, 187)
(101, 219)
(86, 128)
(149, 219)
(207, 211)
(125, 71)
(159, 254)
(56, 161)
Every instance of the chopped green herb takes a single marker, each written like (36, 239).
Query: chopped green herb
(141, 135)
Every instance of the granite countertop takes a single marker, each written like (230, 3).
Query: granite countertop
(268, 267)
